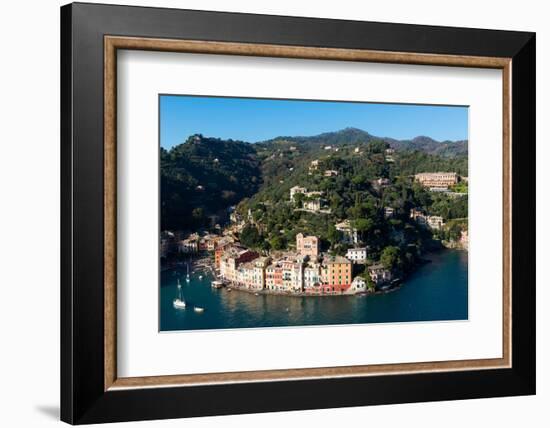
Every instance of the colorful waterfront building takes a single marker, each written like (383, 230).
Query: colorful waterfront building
(286, 274)
(251, 275)
(358, 285)
(208, 242)
(274, 277)
(307, 245)
(312, 278)
(293, 274)
(231, 259)
(336, 274)
(379, 274)
(223, 244)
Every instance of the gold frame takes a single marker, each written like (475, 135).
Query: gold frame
(113, 43)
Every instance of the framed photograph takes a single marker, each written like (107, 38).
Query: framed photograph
(266, 213)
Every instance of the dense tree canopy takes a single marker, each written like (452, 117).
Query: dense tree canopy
(201, 178)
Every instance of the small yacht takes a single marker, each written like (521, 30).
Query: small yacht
(198, 309)
(200, 276)
(217, 284)
(179, 302)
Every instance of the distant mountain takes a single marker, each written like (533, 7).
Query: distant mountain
(336, 138)
(431, 146)
(358, 136)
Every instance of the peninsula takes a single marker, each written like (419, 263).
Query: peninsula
(336, 214)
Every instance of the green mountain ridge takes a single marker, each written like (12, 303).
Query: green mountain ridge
(203, 176)
(352, 135)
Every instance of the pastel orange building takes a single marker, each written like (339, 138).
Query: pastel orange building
(336, 274)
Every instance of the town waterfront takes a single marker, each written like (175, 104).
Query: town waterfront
(436, 291)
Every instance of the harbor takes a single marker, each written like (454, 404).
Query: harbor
(437, 291)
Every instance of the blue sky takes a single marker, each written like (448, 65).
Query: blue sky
(254, 120)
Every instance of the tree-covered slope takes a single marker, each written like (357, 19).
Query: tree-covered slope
(204, 176)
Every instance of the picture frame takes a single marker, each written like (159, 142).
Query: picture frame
(91, 35)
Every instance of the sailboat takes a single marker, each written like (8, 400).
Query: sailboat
(187, 278)
(179, 303)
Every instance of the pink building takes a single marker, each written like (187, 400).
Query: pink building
(307, 245)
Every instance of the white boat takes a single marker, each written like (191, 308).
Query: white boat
(179, 302)
(200, 276)
(198, 309)
(217, 284)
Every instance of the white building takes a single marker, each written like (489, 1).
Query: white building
(435, 222)
(314, 165)
(432, 221)
(312, 276)
(358, 285)
(357, 255)
(382, 181)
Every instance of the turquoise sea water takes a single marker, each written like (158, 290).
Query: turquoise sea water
(436, 291)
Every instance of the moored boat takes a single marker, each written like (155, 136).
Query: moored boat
(179, 302)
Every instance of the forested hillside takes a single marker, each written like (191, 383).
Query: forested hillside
(349, 184)
(204, 176)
